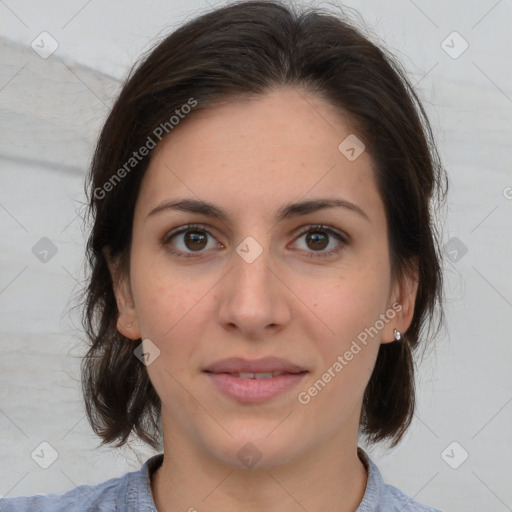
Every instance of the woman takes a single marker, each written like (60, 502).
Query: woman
(263, 261)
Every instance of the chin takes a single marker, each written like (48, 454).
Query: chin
(255, 452)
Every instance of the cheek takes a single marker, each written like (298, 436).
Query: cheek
(355, 300)
(168, 311)
(173, 311)
(162, 297)
(348, 353)
(350, 309)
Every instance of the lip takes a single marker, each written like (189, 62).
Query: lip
(262, 365)
(253, 391)
(224, 374)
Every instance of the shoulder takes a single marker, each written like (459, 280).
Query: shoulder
(382, 497)
(119, 493)
(83, 498)
(393, 499)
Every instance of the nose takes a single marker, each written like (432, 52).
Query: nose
(253, 299)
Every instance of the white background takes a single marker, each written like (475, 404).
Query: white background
(51, 112)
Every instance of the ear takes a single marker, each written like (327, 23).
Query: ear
(127, 321)
(402, 301)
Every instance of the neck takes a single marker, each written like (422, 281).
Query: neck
(330, 478)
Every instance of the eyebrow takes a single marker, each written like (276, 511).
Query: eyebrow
(286, 212)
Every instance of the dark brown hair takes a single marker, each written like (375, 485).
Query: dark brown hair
(249, 48)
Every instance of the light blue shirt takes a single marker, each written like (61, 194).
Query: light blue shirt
(132, 493)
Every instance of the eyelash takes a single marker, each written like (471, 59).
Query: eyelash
(315, 254)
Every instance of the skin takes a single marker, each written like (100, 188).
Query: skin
(251, 157)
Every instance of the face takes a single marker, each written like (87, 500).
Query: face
(302, 286)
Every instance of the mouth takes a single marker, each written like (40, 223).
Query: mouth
(252, 382)
(264, 367)
(259, 376)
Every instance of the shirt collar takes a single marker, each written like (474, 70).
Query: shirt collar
(374, 485)
(135, 495)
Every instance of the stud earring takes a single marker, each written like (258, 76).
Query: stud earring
(397, 335)
(129, 324)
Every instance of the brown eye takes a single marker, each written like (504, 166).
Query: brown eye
(189, 240)
(194, 240)
(318, 238)
(317, 241)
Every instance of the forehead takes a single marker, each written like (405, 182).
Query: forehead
(267, 149)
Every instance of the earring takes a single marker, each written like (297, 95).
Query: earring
(397, 335)
(129, 324)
